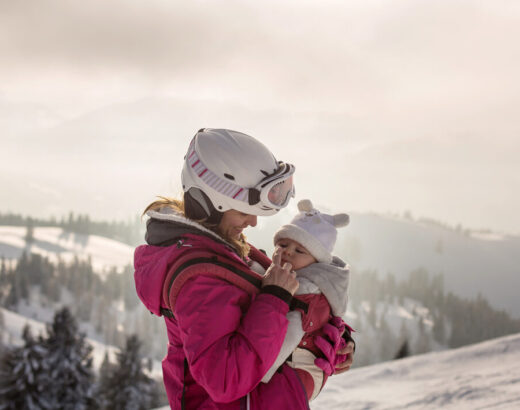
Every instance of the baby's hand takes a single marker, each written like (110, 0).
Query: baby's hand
(281, 276)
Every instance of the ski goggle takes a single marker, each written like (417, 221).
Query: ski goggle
(275, 190)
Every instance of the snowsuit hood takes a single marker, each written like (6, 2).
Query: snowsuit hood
(332, 279)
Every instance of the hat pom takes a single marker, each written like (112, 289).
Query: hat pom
(305, 205)
(341, 220)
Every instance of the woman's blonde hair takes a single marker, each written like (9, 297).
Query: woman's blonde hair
(240, 244)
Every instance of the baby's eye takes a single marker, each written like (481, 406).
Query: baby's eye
(300, 251)
(282, 245)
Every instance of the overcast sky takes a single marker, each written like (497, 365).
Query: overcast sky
(385, 106)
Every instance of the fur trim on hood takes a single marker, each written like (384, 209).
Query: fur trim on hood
(165, 225)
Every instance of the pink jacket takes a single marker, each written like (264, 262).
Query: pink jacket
(319, 313)
(229, 337)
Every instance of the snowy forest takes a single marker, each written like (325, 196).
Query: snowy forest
(130, 232)
(54, 371)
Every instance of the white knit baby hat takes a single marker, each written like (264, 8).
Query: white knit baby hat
(314, 230)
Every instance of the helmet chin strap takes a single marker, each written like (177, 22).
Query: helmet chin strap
(198, 206)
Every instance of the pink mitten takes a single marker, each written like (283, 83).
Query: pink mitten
(334, 331)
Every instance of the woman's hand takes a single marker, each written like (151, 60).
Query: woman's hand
(281, 276)
(337, 351)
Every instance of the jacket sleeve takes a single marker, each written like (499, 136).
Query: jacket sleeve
(228, 348)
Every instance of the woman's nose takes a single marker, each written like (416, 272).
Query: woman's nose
(252, 220)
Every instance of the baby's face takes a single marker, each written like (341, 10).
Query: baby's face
(294, 253)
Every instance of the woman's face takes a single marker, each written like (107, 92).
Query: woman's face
(234, 222)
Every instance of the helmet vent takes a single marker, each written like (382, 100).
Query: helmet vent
(231, 177)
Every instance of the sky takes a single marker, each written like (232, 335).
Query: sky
(383, 106)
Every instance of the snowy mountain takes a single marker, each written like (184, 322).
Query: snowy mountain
(55, 243)
(383, 320)
(481, 376)
(471, 262)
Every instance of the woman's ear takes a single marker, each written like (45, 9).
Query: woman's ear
(341, 220)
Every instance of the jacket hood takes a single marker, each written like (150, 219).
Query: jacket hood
(152, 261)
(166, 225)
(332, 279)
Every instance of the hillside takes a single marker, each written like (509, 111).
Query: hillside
(481, 376)
(55, 243)
(471, 263)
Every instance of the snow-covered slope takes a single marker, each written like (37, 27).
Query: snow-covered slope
(481, 376)
(54, 243)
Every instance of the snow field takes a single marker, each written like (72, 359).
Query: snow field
(481, 376)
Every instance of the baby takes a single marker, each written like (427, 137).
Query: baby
(307, 243)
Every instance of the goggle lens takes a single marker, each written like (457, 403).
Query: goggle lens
(280, 193)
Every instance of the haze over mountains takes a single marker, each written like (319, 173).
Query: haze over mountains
(471, 263)
(112, 161)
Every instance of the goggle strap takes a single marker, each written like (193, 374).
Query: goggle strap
(254, 196)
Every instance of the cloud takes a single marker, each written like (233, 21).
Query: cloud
(373, 58)
(343, 74)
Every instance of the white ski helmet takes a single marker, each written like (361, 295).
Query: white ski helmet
(235, 171)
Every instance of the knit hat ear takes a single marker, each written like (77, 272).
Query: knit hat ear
(341, 220)
(305, 205)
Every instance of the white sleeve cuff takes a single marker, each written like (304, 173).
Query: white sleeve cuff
(292, 339)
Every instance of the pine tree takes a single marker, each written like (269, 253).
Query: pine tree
(404, 351)
(439, 330)
(22, 371)
(3, 272)
(68, 361)
(29, 233)
(423, 343)
(387, 339)
(2, 328)
(127, 386)
(105, 371)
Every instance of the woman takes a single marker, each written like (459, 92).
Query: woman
(226, 319)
